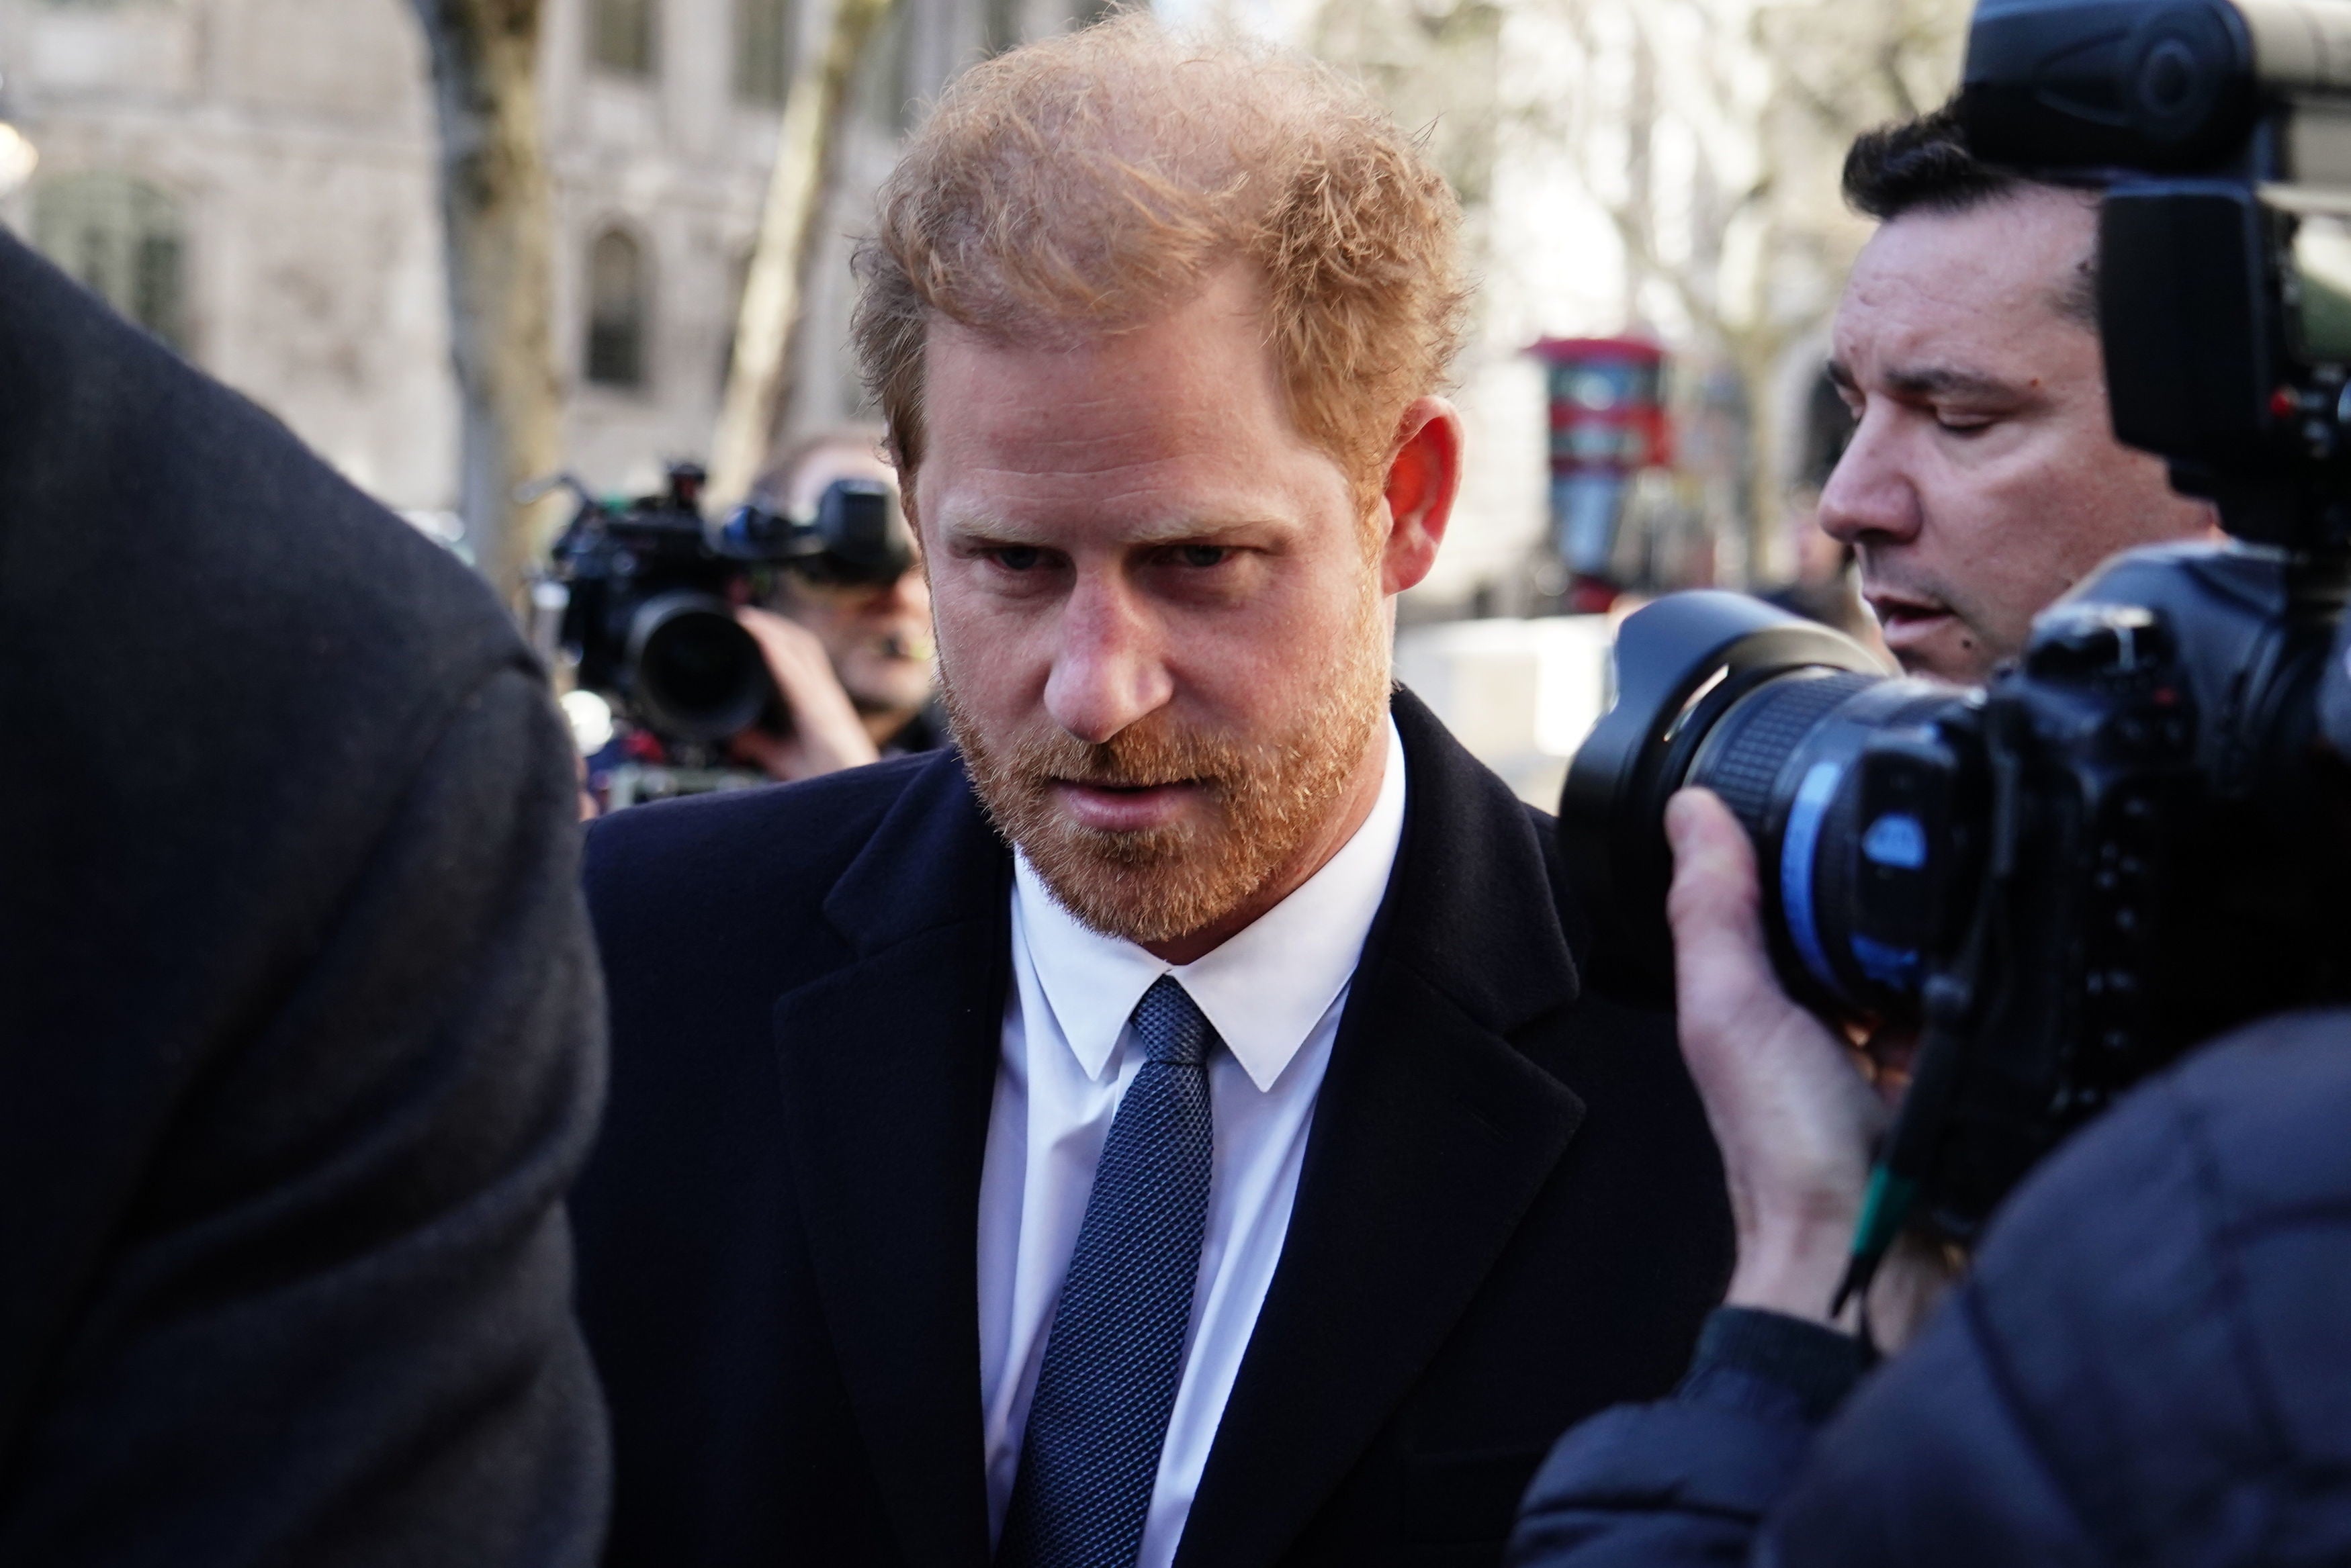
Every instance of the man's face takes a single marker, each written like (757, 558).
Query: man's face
(1163, 634)
(878, 637)
(1984, 479)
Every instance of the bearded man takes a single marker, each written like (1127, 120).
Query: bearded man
(1165, 1129)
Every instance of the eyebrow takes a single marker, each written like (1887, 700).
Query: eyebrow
(1950, 382)
(1186, 531)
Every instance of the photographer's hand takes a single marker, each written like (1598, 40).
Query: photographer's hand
(1791, 1107)
(826, 733)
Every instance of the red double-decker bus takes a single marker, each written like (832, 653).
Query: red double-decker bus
(1607, 423)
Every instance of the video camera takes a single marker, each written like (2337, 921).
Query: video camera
(641, 596)
(2134, 838)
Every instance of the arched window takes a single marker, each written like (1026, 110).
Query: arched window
(122, 238)
(763, 50)
(620, 35)
(617, 309)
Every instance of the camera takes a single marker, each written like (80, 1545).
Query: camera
(2135, 837)
(640, 596)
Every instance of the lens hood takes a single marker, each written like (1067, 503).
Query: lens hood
(1676, 660)
(692, 671)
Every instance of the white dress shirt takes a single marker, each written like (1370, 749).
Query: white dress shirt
(1274, 993)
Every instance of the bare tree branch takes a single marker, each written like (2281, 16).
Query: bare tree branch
(497, 222)
(807, 146)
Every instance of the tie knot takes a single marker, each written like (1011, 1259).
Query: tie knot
(1171, 1026)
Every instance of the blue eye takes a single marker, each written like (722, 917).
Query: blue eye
(1203, 556)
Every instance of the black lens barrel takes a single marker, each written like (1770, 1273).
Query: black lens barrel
(1683, 665)
(1742, 756)
(695, 672)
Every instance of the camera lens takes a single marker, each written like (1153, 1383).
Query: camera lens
(692, 669)
(1778, 716)
(1787, 757)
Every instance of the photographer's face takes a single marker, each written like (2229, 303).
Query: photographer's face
(878, 635)
(1984, 479)
(1162, 626)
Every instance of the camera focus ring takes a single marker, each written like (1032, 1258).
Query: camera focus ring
(1741, 760)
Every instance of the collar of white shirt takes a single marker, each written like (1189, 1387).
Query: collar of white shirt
(1264, 990)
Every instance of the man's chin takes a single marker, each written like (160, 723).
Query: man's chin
(1150, 886)
(1936, 646)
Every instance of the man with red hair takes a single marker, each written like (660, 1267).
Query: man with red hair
(1167, 1128)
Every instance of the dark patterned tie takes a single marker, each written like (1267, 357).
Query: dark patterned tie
(1115, 1354)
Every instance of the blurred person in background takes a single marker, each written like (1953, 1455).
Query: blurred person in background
(853, 660)
(300, 1031)
(1983, 479)
(1826, 585)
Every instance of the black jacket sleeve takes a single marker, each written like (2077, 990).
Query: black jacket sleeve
(1690, 1480)
(335, 1325)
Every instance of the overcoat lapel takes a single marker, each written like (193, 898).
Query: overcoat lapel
(888, 1067)
(1432, 1135)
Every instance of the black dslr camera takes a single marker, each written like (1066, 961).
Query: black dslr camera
(2134, 838)
(641, 596)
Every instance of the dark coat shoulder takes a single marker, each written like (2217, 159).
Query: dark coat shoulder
(727, 892)
(2148, 1363)
(301, 1040)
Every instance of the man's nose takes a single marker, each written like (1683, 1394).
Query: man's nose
(1869, 493)
(1107, 670)
(904, 593)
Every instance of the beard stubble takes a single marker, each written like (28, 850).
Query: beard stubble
(1265, 798)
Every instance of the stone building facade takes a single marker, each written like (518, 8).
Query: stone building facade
(254, 180)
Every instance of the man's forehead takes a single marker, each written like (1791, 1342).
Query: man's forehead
(834, 461)
(1185, 413)
(1028, 497)
(1991, 282)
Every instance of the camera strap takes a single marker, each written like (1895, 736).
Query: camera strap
(1951, 1002)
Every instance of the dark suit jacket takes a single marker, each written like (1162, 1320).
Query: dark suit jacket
(299, 1028)
(1510, 1213)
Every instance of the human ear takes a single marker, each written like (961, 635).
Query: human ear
(1423, 479)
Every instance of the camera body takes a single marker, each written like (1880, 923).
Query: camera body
(647, 605)
(2219, 133)
(2134, 838)
(2125, 844)
(641, 596)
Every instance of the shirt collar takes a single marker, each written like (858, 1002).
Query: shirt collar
(1263, 991)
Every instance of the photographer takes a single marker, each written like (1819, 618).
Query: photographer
(850, 658)
(1983, 479)
(2077, 879)
(2145, 1363)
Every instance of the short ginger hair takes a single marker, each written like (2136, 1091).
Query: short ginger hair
(1094, 182)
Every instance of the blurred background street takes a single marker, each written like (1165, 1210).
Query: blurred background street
(460, 244)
